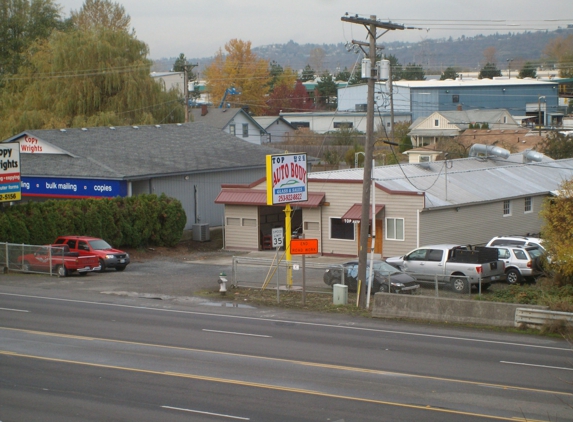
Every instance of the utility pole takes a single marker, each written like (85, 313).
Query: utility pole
(188, 68)
(371, 26)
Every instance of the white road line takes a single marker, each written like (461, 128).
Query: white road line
(538, 366)
(206, 413)
(13, 310)
(235, 333)
(313, 324)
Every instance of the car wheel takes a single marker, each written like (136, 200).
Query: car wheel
(460, 285)
(383, 288)
(26, 266)
(61, 271)
(102, 265)
(513, 276)
(120, 267)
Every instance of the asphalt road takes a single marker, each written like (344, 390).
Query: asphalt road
(72, 351)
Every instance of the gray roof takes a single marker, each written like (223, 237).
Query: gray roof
(266, 121)
(220, 117)
(132, 153)
(469, 180)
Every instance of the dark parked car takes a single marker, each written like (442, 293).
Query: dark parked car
(400, 281)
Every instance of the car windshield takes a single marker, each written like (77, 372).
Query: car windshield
(99, 244)
(384, 268)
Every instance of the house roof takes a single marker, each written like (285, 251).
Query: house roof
(220, 118)
(259, 197)
(267, 121)
(131, 152)
(515, 140)
(469, 180)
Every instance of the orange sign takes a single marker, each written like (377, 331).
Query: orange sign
(304, 246)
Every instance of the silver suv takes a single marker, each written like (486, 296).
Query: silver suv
(521, 263)
(516, 241)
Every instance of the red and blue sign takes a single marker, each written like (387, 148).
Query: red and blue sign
(51, 187)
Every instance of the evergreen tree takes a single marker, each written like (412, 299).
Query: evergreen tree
(180, 63)
(529, 70)
(449, 73)
(413, 72)
(489, 71)
(307, 74)
(327, 90)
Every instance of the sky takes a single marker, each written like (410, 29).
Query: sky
(199, 29)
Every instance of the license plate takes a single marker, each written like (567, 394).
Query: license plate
(121, 261)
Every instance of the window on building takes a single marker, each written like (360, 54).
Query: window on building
(528, 206)
(249, 222)
(232, 129)
(341, 230)
(455, 98)
(343, 125)
(298, 125)
(424, 159)
(506, 207)
(436, 123)
(395, 228)
(245, 130)
(233, 221)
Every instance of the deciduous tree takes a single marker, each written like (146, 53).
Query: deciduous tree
(557, 214)
(98, 14)
(85, 78)
(242, 69)
(557, 145)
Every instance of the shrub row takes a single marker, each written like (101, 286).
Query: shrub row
(143, 220)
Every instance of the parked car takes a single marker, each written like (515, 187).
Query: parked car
(517, 241)
(85, 245)
(59, 260)
(399, 281)
(455, 266)
(521, 263)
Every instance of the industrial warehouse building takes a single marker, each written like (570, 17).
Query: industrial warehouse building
(188, 162)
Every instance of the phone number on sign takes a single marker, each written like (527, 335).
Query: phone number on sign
(8, 196)
(290, 197)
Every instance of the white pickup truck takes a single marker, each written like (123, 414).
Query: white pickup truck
(456, 266)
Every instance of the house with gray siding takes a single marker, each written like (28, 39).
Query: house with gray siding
(465, 201)
(188, 162)
(234, 121)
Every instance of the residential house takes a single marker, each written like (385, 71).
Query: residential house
(276, 127)
(235, 121)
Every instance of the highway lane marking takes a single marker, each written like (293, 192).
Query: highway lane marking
(206, 413)
(13, 310)
(274, 387)
(313, 324)
(291, 361)
(236, 333)
(538, 366)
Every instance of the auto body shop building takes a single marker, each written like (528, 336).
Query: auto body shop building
(464, 201)
(188, 162)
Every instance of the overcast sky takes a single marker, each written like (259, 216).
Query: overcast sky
(199, 28)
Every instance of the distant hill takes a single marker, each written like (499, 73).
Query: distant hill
(465, 53)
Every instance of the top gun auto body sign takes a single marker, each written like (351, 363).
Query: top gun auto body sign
(287, 179)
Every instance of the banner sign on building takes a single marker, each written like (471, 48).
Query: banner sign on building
(72, 188)
(287, 179)
(10, 189)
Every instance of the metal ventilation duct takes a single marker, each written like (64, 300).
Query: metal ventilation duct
(488, 151)
(530, 156)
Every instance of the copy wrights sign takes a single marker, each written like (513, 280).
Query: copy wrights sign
(287, 180)
(10, 189)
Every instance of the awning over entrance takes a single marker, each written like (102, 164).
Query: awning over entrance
(354, 214)
(259, 197)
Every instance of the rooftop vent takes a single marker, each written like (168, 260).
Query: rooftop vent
(62, 130)
(135, 127)
(488, 151)
(84, 129)
(530, 156)
(112, 128)
(158, 126)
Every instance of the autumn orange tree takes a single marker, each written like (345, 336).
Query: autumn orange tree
(560, 49)
(241, 69)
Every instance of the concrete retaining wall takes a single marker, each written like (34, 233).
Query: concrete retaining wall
(439, 309)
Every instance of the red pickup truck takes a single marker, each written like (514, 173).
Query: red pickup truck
(59, 260)
(84, 245)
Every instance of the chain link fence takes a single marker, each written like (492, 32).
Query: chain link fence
(32, 258)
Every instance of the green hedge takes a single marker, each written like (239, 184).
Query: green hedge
(143, 220)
